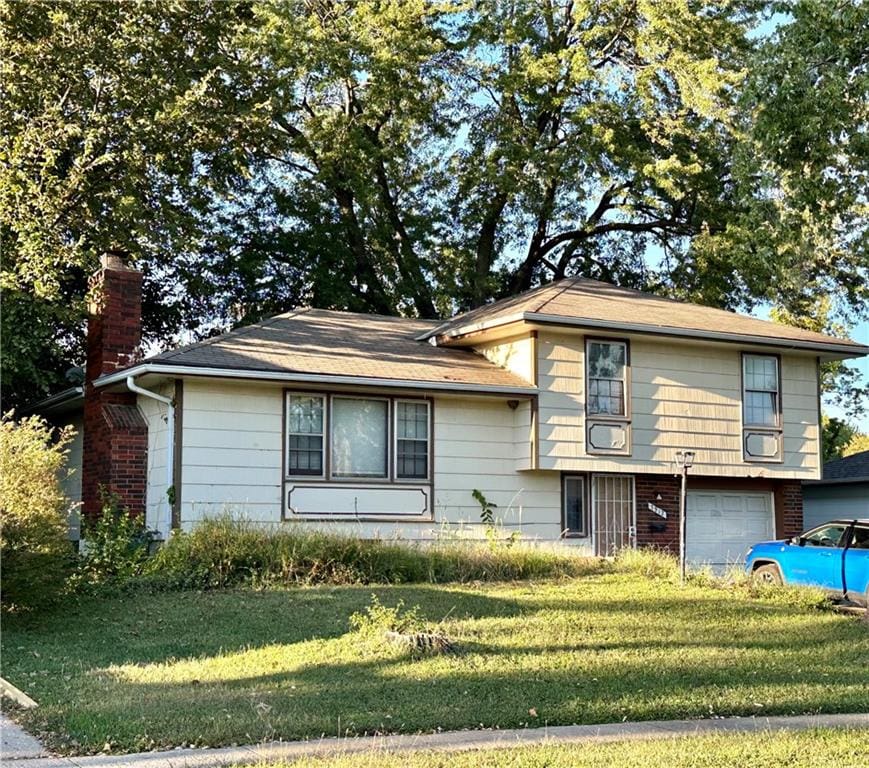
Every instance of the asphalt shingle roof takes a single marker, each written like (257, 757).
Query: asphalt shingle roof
(849, 467)
(579, 298)
(317, 341)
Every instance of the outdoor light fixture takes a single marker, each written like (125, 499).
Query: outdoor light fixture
(685, 460)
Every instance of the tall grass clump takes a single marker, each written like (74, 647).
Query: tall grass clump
(649, 562)
(223, 552)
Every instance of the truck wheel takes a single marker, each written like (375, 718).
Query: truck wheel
(767, 574)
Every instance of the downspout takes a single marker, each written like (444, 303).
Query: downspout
(170, 440)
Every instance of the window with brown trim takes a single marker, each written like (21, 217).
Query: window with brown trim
(573, 512)
(305, 435)
(345, 437)
(411, 439)
(606, 364)
(761, 390)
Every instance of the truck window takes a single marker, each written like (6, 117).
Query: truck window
(860, 539)
(828, 536)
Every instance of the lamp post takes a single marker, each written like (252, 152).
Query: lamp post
(684, 459)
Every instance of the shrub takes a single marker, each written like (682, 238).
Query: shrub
(378, 618)
(35, 552)
(224, 552)
(117, 545)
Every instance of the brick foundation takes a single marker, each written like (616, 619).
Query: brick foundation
(115, 446)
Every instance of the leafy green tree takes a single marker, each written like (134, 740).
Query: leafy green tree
(835, 435)
(420, 157)
(857, 444)
(120, 122)
(806, 152)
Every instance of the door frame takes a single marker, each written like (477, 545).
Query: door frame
(592, 524)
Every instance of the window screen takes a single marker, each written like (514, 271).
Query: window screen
(359, 437)
(411, 440)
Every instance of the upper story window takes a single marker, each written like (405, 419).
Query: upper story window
(761, 391)
(606, 365)
(305, 435)
(360, 437)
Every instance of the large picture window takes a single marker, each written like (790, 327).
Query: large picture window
(411, 440)
(305, 435)
(760, 382)
(360, 437)
(606, 363)
(363, 438)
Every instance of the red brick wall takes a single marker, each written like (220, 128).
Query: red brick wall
(115, 446)
(652, 530)
(789, 508)
(788, 496)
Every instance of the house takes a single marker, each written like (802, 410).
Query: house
(843, 491)
(565, 406)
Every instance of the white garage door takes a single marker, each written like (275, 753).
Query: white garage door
(722, 525)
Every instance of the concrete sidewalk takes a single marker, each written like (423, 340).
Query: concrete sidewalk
(448, 741)
(16, 743)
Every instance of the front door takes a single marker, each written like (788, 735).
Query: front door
(612, 499)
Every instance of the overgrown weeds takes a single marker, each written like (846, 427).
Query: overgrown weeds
(223, 552)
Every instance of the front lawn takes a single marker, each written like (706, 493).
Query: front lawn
(225, 667)
(807, 749)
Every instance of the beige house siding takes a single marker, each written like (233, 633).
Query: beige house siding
(156, 500)
(231, 449)
(682, 396)
(517, 355)
(232, 458)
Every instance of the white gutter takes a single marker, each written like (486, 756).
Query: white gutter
(853, 350)
(170, 438)
(303, 378)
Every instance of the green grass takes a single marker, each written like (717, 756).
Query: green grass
(159, 670)
(808, 749)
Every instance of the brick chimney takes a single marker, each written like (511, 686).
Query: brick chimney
(115, 450)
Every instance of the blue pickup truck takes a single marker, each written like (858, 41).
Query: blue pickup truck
(833, 556)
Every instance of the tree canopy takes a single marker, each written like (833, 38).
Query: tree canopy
(422, 156)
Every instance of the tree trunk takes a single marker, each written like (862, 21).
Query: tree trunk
(375, 297)
(486, 249)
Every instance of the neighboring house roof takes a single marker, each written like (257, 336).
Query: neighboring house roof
(580, 301)
(308, 344)
(850, 469)
(71, 399)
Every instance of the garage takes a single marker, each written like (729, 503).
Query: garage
(722, 525)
